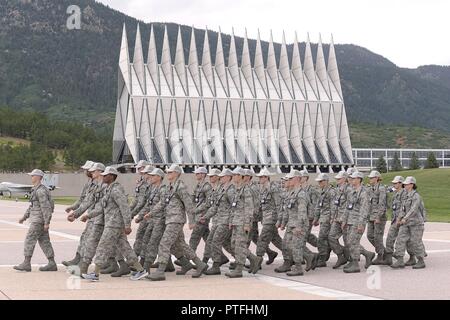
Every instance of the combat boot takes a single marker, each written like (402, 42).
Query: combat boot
(340, 261)
(124, 269)
(399, 264)
(420, 264)
(412, 261)
(154, 265)
(112, 267)
(170, 267)
(214, 270)
(158, 275)
(285, 267)
(369, 257)
(353, 268)
(25, 265)
(224, 261)
(321, 262)
(272, 255)
(232, 265)
(311, 261)
(296, 270)
(185, 266)
(51, 266)
(83, 267)
(73, 262)
(201, 267)
(379, 260)
(387, 259)
(347, 254)
(348, 265)
(255, 263)
(178, 262)
(236, 273)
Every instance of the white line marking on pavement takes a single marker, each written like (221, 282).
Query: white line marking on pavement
(21, 241)
(56, 233)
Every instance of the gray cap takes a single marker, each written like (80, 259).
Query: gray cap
(410, 180)
(97, 166)
(239, 171)
(36, 172)
(157, 172)
(264, 173)
(87, 165)
(323, 177)
(398, 179)
(248, 172)
(304, 173)
(174, 168)
(374, 174)
(226, 172)
(148, 168)
(141, 163)
(350, 171)
(357, 174)
(341, 175)
(201, 170)
(294, 173)
(110, 170)
(214, 172)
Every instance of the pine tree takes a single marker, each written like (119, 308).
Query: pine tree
(396, 164)
(431, 161)
(381, 165)
(415, 163)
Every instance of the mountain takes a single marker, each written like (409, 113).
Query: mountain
(72, 74)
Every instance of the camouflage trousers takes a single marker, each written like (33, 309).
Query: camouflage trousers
(254, 233)
(269, 233)
(154, 234)
(375, 232)
(239, 244)
(91, 243)
(354, 242)
(296, 244)
(172, 242)
(311, 238)
(392, 237)
(139, 240)
(336, 232)
(219, 237)
(87, 230)
(111, 241)
(414, 235)
(36, 234)
(323, 244)
(200, 231)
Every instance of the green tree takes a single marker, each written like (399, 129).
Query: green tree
(431, 161)
(381, 165)
(396, 164)
(414, 163)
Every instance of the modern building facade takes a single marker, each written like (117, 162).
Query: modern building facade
(255, 111)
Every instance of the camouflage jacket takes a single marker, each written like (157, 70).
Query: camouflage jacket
(397, 204)
(339, 206)
(200, 199)
(313, 195)
(140, 196)
(220, 210)
(86, 187)
(282, 215)
(254, 189)
(92, 202)
(269, 203)
(176, 202)
(242, 208)
(358, 207)
(324, 205)
(413, 209)
(297, 206)
(40, 209)
(378, 202)
(154, 197)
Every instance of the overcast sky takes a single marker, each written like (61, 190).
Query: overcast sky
(410, 33)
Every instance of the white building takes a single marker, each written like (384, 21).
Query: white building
(285, 112)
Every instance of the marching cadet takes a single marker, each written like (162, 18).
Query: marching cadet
(355, 221)
(176, 202)
(40, 214)
(313, 195)
(411, 226)
(117, 226)
(240, 223)
(323, 215)
(87, 187)
(142, 191)
(269, 202)
(297, 222)
(377, 217)
(248, 180)
(338, 213)
(219, 211)
(201, 192)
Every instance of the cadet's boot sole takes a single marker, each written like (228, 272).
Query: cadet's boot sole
(23, 270)
(352, 271)
(418, 266)
(157, 279)
(294, 274)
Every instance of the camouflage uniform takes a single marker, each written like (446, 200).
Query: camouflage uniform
(257, 217)
(219, 211)
(155, 227)
(412, 231)
(40, 213)
(357, 213)
(268, 204)
(283, 220)
(323, 215)
(117, 217)
(201, 230)
(142, 192)
(313, 195)
(378, 206)
(338, 213)
(397, 205)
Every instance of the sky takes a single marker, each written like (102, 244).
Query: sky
(410, 33)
